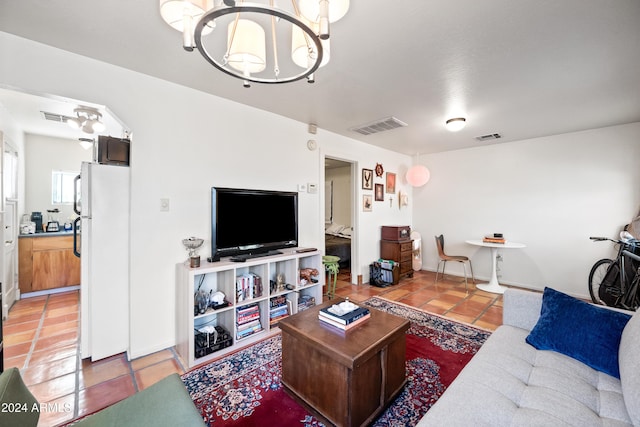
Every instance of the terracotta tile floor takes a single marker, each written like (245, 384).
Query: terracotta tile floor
(41, 339)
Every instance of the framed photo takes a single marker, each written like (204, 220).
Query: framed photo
(366, 203)
(391, 183)
(379, 192)
(367, 179)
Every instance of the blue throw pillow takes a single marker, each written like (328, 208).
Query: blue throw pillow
(583, 331)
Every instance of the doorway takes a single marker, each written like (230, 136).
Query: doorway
(43, 152)
(339, 219)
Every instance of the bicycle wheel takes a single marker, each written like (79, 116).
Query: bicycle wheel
(596, 276)
(632, 299)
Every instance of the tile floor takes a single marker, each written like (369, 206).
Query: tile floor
(41, 339)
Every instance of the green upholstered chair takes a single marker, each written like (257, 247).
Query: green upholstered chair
(164, 404)
(20, 408)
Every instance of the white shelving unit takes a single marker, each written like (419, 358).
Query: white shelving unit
(222, 276)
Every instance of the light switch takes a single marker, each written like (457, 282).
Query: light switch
(164, 205)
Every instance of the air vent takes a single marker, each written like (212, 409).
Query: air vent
(55, 117)
(381, 125)
(489, 137)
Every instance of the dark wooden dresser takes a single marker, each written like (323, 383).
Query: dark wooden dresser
(400, 252)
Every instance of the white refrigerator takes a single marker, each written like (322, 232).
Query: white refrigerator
(102, 234)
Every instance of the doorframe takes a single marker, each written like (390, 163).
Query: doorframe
(355, 219)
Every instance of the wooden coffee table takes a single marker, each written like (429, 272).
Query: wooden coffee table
(345, 378)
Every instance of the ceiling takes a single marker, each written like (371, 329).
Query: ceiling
(28, 109)
(523, 69)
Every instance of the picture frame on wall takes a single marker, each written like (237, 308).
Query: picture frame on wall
(367, 203)
(367, 179)
(379, 192)
(391, 182)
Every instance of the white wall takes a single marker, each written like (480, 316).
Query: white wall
(184, 142)
(342, 200)
(550, 193)
(44, 154)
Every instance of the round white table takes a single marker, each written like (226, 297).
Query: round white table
(493, 285)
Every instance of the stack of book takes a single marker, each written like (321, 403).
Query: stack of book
(492, 239)
(346, 321)
(248, 320)
(305, 301)
(248, 286)
(278, 309)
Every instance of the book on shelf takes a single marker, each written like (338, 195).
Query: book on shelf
(275, 312)
(249, 331)
(278, 301)
(274, 321)
(305, 301)
(248, 318)
(247, 314)
(248, 286)
(342, 326)
(345, 319)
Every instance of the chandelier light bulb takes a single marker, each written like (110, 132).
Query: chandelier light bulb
(455, 124)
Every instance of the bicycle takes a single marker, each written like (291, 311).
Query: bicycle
(616, 283)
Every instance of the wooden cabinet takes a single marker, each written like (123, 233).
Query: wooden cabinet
(256, 306)
(400, 252)
(346, 378)
(47, 262)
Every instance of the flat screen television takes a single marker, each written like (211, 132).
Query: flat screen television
(252, 222)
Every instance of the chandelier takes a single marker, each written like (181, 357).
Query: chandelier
(257, 42)
(87, 119)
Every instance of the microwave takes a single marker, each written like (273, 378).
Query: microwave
(112, 151)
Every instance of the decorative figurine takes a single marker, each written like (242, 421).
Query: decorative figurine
(280, 282)
(192, 244)
(305, 275)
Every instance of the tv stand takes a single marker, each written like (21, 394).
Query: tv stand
(244, 257)
(267, 304)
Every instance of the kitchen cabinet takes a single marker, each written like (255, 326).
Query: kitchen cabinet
(46, 261)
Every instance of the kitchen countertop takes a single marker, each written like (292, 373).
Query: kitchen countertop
(51, 234)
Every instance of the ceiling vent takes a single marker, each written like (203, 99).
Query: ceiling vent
(488, 137)
(54, 117)
(377, 126)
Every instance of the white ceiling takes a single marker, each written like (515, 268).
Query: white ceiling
(524, 69)
(27, 109)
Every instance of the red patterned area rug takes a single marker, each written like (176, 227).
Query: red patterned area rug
(244, 389)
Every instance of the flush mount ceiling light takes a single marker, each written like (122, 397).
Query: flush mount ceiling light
(455, 124)
(87, 119)
(232, 36)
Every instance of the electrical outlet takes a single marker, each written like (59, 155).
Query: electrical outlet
(164, 205)
(302, 188)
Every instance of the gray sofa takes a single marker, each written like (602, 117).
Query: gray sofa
(510, 383)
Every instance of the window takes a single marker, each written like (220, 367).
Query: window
(62, 187)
